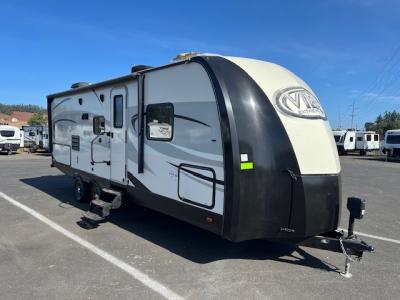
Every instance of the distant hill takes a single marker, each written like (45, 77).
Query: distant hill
(9, 108)
(18, 114)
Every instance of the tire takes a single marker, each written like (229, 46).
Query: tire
(81, 190)
(95, 191)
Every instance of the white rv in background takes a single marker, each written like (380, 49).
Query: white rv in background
(36, 137)
(391, 143)
(32, 136)
(44, 139)
(21, 134)
(345, 140)
(356, 141)
(10, 139)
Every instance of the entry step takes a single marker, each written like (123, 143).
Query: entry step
(101, 203)
(92, 217)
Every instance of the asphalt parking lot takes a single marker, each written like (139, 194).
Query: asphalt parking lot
(37, 261)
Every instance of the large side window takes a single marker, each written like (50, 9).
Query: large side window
(160, 121)
(118, 111)
(7, 133)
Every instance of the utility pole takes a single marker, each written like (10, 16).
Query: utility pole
(352, 115)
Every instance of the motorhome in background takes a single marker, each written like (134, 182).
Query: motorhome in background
(10, 139)
(391, 143)
(356, 141)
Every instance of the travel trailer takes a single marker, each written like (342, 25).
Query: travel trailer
(44, 139)
(236, 146)
(32, 135)
(21, 135)
(391, 144)
(356, 141)
(10, 139)
(345, 140)
(36, 137)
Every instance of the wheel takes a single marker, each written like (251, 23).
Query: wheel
(81, 190)
(95, 191)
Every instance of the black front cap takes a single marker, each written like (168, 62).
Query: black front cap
(272, 200)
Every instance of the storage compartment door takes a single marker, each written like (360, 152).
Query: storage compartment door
(196, 185)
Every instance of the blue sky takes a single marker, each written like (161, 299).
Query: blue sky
(346, 50)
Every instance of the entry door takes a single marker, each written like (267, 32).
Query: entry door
(117, 134)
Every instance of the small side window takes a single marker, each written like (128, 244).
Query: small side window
(99, 125)
(368, 137)
(118, 111)
(376, 137)
(359, 138)
(351, 139)
(160, 122)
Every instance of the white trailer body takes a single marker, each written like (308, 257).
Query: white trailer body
(21, 134)
(352, 141)
(367, 141)
(345, 140)
(391, 144)
(10, 138)
(32, 135)
(44, 139)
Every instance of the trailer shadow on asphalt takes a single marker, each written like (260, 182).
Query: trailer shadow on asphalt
(190, 242)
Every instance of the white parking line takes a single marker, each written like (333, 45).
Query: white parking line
(138, 275)
(375, 237)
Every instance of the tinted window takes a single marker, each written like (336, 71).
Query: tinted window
(359, 138)
(351, 139)
(118, 111)
(160, 121)
(368, 137)
(7, 133)
(337, 138)
(393, 139)
(99, 125)
(376, 137)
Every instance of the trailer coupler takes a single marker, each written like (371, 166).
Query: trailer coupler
(337, 241)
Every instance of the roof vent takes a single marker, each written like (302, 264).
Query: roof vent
(139, 68)
(79, 84)
(185, 55)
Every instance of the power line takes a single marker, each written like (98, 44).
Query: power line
(352, 115)
(386, 78)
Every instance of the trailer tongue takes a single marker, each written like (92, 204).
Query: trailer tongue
(338, 241)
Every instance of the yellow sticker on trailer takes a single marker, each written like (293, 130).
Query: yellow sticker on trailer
(246, 166)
